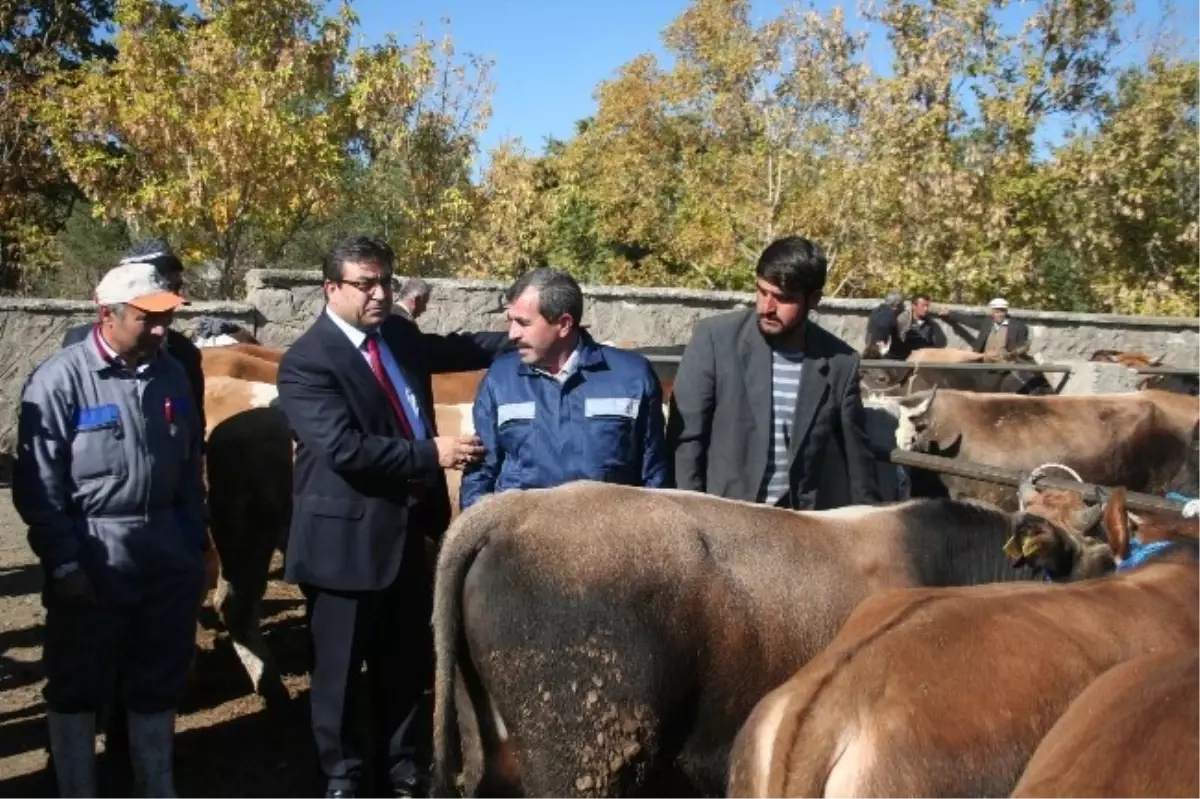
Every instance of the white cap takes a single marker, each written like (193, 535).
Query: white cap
(139, 285)
(998, 304)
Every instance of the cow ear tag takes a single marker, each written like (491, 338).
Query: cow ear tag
(1030, 547)
(1011, 549)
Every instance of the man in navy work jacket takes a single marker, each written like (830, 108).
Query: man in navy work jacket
(369, 487)
(563, 407)
(108, 479)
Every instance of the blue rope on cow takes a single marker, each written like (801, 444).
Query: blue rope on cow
(1140, 553)
(1191, 505)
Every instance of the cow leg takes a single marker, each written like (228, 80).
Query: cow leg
(245, 544)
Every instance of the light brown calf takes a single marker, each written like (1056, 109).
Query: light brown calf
(937, 692)
(1133, 732)
(228, 362)
(226, 396)
(272, 354)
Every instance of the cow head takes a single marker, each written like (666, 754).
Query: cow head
(1080, 512)
(1078, 539)
(920, 429)
(1062, 555)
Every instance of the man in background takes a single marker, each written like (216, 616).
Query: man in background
(883, 329)
(413, 298)
(920, 331)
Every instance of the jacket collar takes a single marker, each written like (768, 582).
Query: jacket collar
(591, 356)
(102, 356)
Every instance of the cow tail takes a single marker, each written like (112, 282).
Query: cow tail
(461, 544)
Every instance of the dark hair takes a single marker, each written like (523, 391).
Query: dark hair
(558, 293)
(363, 249)
(921, 296)
(794, 264)
(154, 251)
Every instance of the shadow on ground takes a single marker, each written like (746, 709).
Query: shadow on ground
(230, 743)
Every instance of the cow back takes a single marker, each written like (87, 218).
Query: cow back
(1132, 732)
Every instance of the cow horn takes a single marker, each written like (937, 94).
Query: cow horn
(1089, 517)
(1026, 492)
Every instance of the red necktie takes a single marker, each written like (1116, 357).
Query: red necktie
(386, 383)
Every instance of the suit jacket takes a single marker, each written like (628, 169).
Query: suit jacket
(178, 346)
(720, 427)
(360, 485)
(1016, 336)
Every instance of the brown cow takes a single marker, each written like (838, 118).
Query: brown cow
(903, 382)
(1179, 384)
(227, 396)
(248, 465)
(1146, 441)
(229, 362)
(610, 635)
(947, 692)
(1132, 732)
(272, 354)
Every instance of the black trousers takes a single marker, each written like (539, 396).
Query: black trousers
(149, 644)
(389, 631)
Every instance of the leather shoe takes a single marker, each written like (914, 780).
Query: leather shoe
(340, 793)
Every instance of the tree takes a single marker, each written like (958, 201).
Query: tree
(229, 129)
(935, 174)
(38, 39)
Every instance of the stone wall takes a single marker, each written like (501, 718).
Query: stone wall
(280, 304)
(288, 300)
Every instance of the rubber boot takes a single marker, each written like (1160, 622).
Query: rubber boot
(73, 746)
(151, 745)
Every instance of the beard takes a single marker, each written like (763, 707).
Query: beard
(772, 327)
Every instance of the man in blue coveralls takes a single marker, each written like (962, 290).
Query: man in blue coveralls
(563, 407)
(108, 479)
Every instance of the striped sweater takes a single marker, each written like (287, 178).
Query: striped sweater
(785, 389)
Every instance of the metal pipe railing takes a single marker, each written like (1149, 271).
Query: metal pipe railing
(1061, 368)
(993, 474)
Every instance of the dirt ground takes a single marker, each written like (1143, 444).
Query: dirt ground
(228, 741)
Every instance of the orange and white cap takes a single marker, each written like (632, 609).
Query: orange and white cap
(137, 284)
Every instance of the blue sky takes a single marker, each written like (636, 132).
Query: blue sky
(549, 55)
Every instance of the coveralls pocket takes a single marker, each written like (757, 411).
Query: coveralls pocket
(610, 433)
(514, 422)
(98, 448)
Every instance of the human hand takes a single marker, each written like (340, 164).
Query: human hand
(74, 588)
(455, 452)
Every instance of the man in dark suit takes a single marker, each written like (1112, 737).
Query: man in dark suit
(766, 406)
(356, 390)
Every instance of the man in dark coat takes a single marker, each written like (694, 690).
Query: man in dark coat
(369, 487)
(883, 328)
(922, 331)
(766, 406)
